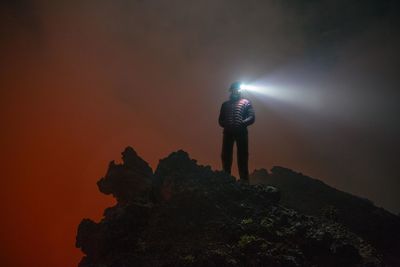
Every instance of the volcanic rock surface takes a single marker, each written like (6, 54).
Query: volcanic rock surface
(313, 197)
(185, 214)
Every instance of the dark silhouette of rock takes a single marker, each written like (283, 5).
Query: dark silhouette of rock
(258, 176)
(189, 215)
(313, 197)
(130, 181)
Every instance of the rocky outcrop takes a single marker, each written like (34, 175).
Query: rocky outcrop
(186, 214)
(130, 181)
(313, 197)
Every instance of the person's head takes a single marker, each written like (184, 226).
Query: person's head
(234, 89)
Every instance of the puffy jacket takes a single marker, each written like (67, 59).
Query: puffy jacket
(236, 115)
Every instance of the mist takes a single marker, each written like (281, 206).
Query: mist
(81, 80)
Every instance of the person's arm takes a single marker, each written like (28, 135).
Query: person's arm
(251, 116)
(221, 119)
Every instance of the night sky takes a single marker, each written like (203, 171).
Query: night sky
(81, 81)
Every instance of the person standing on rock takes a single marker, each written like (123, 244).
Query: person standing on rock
(235, 115)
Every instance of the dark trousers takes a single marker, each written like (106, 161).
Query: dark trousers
(241, 139)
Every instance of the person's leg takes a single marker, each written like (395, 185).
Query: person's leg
(227, 151)
(243, 156)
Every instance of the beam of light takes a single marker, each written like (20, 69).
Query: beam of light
(252, 88)
(294, 95)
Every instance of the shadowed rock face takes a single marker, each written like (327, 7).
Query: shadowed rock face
(189, 215)
(130, 181)
(313, 197)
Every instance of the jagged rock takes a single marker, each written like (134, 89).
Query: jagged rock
(205, 218)
(313, 197)
(130, 181)
(259, 176)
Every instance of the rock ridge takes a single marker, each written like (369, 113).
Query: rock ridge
(185, 214)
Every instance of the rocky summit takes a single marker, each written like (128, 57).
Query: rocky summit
(185, 214)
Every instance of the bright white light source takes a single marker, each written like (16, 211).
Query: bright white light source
(247, 87)
(252, 88)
